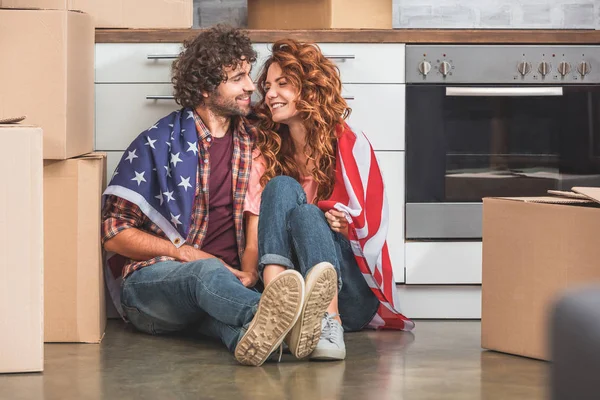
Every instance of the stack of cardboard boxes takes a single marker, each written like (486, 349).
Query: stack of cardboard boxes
(51, 274)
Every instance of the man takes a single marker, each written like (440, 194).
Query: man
(181, 268)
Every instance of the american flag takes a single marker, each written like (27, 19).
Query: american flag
(359, 192)
(158, 174)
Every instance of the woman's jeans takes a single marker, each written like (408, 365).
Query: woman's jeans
(296, 235)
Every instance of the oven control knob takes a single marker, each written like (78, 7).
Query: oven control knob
(445, 68)
(424, 67)
(584, 68)
(564, 68)
(544, 68)
(524, 68)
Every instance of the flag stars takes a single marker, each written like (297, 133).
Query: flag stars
(185, 182)
(175, 159)
(169, 196)
(175, 219)
(139, 177)
(193, 147)
(150, 142)
(131, 156)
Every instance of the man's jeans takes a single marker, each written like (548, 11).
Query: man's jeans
(294, 234)
(170, 297)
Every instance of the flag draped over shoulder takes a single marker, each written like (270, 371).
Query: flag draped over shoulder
(359, 192)
(158, 174)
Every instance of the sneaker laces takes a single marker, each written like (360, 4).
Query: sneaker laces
(330, 333)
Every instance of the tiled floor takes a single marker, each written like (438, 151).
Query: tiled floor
(442, 360)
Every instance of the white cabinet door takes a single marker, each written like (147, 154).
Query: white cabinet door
(112, 160)
(378, 111)
(391, 164)
(123, 111)
(443, 262)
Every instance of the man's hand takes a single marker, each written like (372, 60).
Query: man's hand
(337, 221)
(187, 253)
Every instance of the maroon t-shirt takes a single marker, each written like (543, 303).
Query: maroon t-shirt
(220, 239)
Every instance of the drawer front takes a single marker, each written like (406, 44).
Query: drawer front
(377, 110)
(122, 112)
(144, 62)
(440, 302)
(391, 164)
(359, 62)
(151, 62)
(443, 262)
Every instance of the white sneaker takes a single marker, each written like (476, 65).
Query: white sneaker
(321, 286)
(331, 346)
(278, 311)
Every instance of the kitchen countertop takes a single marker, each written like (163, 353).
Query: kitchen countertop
(424, 36)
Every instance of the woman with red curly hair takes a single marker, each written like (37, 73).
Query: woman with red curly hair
(295, 167)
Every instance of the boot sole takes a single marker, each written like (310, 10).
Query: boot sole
(278, 310)
(321, 286)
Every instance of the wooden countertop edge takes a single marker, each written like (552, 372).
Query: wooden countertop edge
(442, 36)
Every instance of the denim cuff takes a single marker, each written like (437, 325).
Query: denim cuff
(276, 259)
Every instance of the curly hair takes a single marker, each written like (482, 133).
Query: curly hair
(200, 66)
(320, 105)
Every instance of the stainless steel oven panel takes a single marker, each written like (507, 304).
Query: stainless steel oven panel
(503, 64)
(443, 220)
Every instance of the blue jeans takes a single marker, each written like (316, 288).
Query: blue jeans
(171, 296)
(296, 235)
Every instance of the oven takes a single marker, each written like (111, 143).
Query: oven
(500, 120)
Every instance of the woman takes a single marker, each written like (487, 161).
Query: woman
(302, 135)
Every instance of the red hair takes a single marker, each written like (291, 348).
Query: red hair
(320, 105)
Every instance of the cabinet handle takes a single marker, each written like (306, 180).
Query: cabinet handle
(160, 97)
(162, 56)
(341, 57)
(348, 97)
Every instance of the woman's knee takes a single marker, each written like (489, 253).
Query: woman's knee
(281, 185)
(307, 213)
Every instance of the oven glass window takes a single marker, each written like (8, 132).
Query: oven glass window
(464, 148)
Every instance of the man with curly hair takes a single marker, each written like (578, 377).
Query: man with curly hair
(178, 269)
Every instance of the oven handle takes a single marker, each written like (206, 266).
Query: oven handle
(504, 91)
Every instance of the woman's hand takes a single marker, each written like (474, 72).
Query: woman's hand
(337, 221)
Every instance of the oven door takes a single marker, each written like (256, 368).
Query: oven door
(464, 143)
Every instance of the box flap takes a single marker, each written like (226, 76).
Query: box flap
(592, 193)
(571, 195)
(546, 200)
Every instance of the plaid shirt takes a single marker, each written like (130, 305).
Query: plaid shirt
(119, 214)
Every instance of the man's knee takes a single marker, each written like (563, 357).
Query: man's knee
(205, 268)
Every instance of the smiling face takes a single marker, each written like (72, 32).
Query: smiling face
(232, 97)
(280, 96)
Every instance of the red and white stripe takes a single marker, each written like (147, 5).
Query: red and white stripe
(360, 193)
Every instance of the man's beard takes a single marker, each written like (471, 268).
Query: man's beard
(224, 107)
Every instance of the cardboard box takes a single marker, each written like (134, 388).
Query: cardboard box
(74, 279)
(47, 74)
(21, 249)
(319, 14)
(533, 250)
(149, 14)
(73, 5)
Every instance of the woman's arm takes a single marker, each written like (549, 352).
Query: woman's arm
(250, 257)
